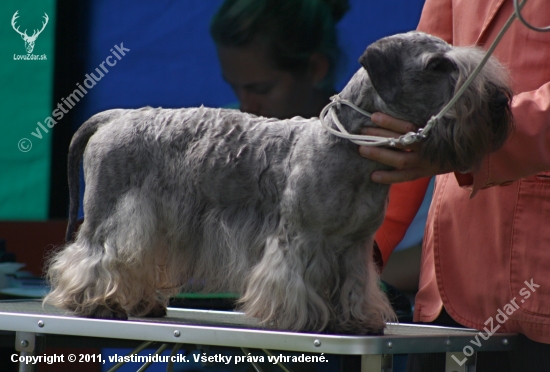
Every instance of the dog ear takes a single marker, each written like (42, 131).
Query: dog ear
(384, 66)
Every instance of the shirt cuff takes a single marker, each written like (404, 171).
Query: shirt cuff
(465, 180)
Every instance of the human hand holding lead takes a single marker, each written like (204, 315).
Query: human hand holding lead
(405, 159)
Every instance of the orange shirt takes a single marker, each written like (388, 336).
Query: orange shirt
(404, 201)
(487, 238)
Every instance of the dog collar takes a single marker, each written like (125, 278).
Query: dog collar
(361, 139)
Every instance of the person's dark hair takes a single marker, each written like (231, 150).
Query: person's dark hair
(292, 29)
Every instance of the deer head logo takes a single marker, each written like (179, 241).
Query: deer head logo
(29, 40)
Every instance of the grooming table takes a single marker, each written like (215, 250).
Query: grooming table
(28, 320)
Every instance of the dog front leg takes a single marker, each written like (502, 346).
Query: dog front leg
(362, 307)
(287, 288)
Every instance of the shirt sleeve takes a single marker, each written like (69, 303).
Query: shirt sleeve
(527, 151)
(405, 200)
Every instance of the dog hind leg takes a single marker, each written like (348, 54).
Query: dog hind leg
(80, 282)
(110, 271)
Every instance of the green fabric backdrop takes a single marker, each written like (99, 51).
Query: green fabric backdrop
(26, 88)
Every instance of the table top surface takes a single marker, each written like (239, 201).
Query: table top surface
(234, 329)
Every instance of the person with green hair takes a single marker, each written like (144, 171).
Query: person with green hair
(279, 56)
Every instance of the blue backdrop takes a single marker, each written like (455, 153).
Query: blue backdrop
(172, 60)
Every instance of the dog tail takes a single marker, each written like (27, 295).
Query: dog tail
(76, 151)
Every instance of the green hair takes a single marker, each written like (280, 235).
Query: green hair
(292, 29)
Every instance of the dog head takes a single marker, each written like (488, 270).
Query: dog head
(416, 74)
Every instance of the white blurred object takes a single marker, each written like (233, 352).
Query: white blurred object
(10, 267)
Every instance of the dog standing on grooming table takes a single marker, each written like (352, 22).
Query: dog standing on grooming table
(281, 211)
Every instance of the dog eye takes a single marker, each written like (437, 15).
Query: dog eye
(432, 65)
(439, 64)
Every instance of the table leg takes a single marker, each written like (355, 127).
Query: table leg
(377, 363)
(460, 362)
(28, 345)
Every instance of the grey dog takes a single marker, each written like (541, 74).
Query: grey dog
(280, 211)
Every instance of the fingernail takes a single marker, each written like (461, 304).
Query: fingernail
(375, 118)
(365, 151)
(376, 177)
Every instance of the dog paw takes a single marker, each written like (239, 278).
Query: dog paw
(157, 312)
(114, 313)
(357, 329)
(378, 332)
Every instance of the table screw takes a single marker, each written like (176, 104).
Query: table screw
(505, 341)
(317, 343)
(390, 344)
(448, 342)
(177, 333)
(24, 343)
(40, 323)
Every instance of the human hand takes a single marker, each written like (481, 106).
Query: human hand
(405, 159)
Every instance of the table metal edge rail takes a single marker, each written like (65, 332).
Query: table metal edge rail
(238, 337)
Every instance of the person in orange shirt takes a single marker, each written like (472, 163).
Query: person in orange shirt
(487, 239)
